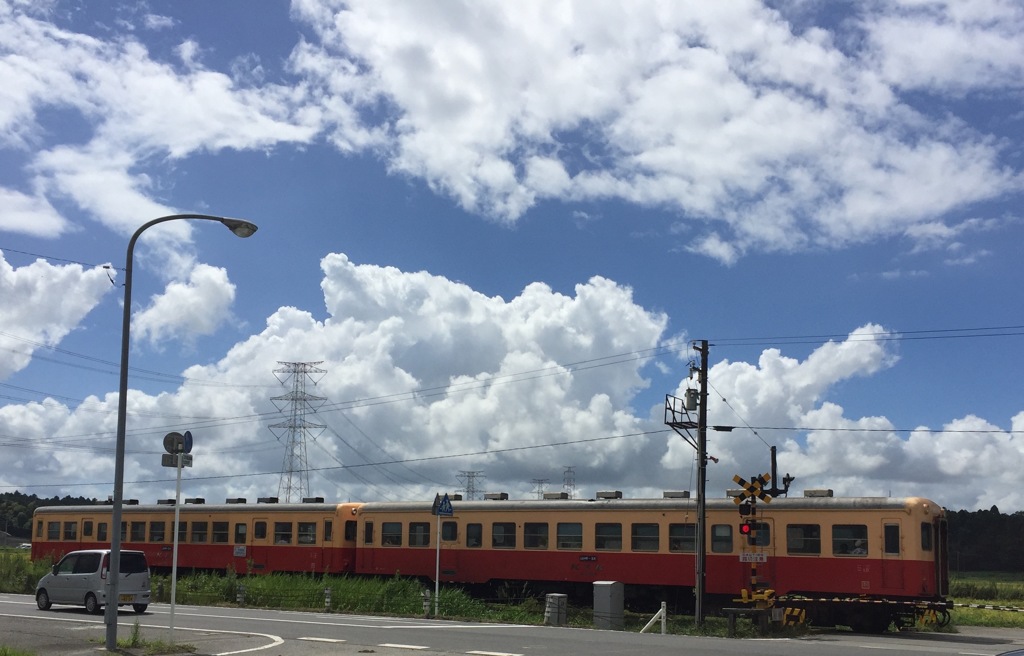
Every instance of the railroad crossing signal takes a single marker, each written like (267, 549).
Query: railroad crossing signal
(752, 490)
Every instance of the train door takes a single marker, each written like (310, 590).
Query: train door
(364, 544)
(765, 540)
(259, 544)
(892, 554)
(240, 545)
(450, 551)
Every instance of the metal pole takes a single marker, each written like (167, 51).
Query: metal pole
(437, 568)
(240, 228)
(702, 476)
(179, 457)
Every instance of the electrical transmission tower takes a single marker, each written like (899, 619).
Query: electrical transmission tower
(569, 482)
(538, 487)
(294, 483)
(468, 480)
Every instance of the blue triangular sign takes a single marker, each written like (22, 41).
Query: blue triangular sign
(445, 507)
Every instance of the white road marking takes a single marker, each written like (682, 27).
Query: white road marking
(398, 646)
(492, 653)
(322, 639)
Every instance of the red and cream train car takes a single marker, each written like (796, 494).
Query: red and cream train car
(248, 538)
(863, 562)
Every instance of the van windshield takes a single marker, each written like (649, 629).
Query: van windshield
(133, 563)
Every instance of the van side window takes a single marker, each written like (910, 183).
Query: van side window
(87, 563)
(133, 563)
(67, 566)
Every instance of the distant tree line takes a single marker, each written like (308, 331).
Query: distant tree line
(16, 511)
(982, 540)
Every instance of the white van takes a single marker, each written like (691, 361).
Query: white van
(80, 578)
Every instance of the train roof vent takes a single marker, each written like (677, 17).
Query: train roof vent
(556, 495)
(730, 494)
(456, 497)
(165, 502)
(131, 502)
(235, 500)
(196, 500)
(675, 494)
(496, 496)
(818, 493)
(609, 494)
(266, 500)
(312, 499)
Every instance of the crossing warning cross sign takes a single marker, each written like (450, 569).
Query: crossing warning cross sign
(755, 488)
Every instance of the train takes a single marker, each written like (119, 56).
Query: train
(863, 562)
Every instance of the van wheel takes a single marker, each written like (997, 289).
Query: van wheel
(140, 608)
(43, 600)
(91, 605)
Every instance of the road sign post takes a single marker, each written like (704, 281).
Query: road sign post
(442, 508)
(178, 455)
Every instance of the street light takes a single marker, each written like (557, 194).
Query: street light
(240, 228)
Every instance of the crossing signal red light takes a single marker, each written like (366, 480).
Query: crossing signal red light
(747, 529)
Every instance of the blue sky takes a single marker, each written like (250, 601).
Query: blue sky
(498, 226)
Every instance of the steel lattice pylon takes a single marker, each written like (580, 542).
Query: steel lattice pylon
(294, 485)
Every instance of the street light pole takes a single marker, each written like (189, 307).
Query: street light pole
(240, 228)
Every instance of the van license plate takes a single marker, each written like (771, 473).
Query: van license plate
(127, 598)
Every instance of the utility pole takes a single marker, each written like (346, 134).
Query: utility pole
(702, 479)
(677, 415)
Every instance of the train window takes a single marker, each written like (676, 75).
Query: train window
(419, 534)
(849, 540)
(101, 531)
(645, 537)
(200, 532)
(608, 537)
(391, 534)
(241, 528)
(156, 532)
(570, 535)
(124, 531)
(329, 530)
(891, 534)
(762, 534)
(449, 531)
(87, 528)
(721, 538)
(220, 532)
(682, 538)
(39, 529)
(368, 533)
(535, 535)
(803, 539)
(350, 530)
(307, 533)
(926, 536)
(70, 530)
(282, 532)
(259, 530)
(474, 535)
(182, 531)
(503, 535)
(138, 532)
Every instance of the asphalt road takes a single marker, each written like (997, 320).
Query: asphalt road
(68, 631)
